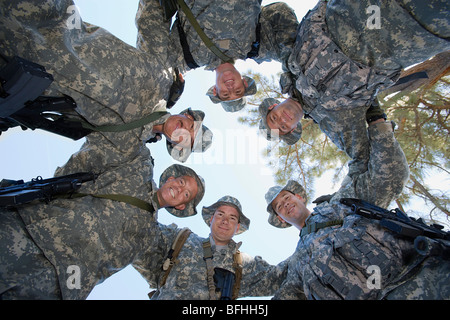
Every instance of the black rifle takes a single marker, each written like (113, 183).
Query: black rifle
(396, 220)
(21, 83)
(428, 239)
(224, 281)
(13, 193)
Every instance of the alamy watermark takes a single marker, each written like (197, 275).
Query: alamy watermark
(374, 280)
(374, 20)
(74, 20)
(74, 279)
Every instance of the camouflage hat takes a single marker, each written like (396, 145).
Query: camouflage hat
(292, 186)
(236, 104)
(208, 212)
(290, 138)
(202, 141)
(177, 170)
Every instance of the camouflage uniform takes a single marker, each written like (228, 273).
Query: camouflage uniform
(111, 82)
(99, 236)
(333, 262)
(231, 25)
(332, 81)
(188, 280)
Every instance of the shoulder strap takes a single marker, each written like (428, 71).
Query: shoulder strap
(173, 253)
(125, 126)
(237, 265)
(207, 256)
(141, 204)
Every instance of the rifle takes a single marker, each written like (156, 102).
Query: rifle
(224, 281)
(428, 239)
(13, 193)
(21, 83)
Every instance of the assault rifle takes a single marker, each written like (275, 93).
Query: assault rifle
(396, 220)
(224, 281)
(21, 104)
(428, 239)
(13, 193)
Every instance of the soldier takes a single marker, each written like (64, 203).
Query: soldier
(340, 62)
(211, 268)
(239, 30)
(112, 83)
(62, 249)
(338, 250)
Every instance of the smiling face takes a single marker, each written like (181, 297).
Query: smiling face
(180, 130)
(229, 83)
(290, 208)
(177, 192)
(224, 224)
(284, 116)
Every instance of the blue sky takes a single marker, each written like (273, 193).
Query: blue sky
(232, 166)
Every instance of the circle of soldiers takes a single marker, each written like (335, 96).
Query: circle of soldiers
(99, 212)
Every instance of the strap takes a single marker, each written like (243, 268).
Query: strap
(126, 126)
(141, 204)
(174, 252)
(207, 256)
(237, 265)
(315, 226)
(211, 46)
(185, 45)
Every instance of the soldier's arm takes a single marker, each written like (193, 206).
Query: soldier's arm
(387, 170)
(149, 263)
(259, 278)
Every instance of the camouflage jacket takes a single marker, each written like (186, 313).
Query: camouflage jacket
(333, 262)
(390, 34)
(231, 25)
(336, 91)
(111, 82)
(187, 279)
(338, 65)
(100, 236)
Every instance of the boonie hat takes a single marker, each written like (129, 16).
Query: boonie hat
(236, 104)
(177, 170)
(208, 212)
(293, 187)
(290, 138)
(202, 141)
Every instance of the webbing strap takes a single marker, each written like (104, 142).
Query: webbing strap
(126, 126)
(315, 226)
(207, 256)
(211, 46)
(141, 204)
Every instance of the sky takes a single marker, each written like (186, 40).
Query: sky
(232, 166)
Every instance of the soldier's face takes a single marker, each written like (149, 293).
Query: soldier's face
(229, 83)
(224, 224)
(284, 116)
(290, 208)
(177, 192)
(180, 130)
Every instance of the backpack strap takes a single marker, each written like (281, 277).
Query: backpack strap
(237, 266)
(173, 253)
(207, 256)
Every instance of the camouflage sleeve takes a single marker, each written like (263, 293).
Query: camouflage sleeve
(387, 171)
(292, 286)
(149, 264)
(260, 278)
(278, 32)
(153, 31)
(389, 34)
